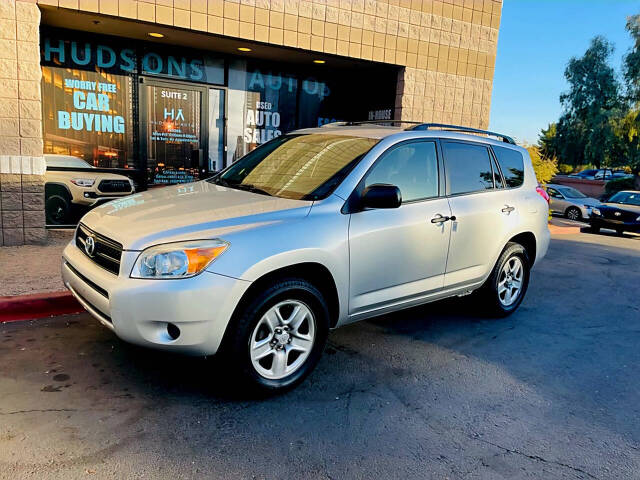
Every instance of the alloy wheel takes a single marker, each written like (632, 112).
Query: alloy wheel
(510, 281)
(282, 340)
(573, 214)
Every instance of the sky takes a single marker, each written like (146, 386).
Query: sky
(536, 40)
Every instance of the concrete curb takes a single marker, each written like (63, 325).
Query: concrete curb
(39, 305)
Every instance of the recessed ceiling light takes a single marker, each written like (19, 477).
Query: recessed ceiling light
(244, 49)
(319, 61)
(156, 34)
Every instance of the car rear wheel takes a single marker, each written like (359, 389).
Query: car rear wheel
(573, 213)
(507, 285)
(277, 339)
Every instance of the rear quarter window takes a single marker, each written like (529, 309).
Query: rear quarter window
(512, 165)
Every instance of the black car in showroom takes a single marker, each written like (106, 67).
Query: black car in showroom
(620, 213)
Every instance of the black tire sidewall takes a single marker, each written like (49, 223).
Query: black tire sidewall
(52, 201)
(512, 249)
(237, 343)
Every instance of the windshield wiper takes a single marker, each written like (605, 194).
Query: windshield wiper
(241, 186)
(250, 188)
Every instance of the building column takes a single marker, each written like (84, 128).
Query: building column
(22, 167)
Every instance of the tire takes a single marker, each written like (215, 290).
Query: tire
(492, 293)
(256, 331)
(594, 229)
(573, 213)
(57, 209)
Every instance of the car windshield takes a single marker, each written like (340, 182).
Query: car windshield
(626, 198)
(299, 167)
(66, 161)
(571, 192)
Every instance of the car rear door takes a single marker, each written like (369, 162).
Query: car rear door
(483, 208)
(399, 255)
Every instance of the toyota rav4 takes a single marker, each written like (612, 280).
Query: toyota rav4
(311, 231)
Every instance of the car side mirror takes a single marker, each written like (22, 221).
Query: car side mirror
(381, 196)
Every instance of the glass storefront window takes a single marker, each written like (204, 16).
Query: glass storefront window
(262, 105)
(88, 115)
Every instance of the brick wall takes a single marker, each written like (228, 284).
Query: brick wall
(21, 164)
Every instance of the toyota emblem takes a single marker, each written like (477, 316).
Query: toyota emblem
(617, 214)
(90, 245)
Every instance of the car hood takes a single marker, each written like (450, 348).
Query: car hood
(623, 207)
(593, 202)
(188, 212)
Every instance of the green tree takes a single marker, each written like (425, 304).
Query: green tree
(545, 168)
(631, 67)
(585, 132)
(547, 141)
(626, 124)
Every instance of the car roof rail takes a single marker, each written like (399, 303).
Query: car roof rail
(381, 123)
(458, 128)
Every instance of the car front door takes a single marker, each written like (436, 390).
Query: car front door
(484, 211)
(399, 255)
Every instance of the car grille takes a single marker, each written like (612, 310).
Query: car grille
(623, 217)
(106, 253)
(114, 186)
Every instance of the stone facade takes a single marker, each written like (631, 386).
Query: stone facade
(22, 216)
(447, 47)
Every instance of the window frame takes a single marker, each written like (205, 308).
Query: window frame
(504, 179)
(492, 162)
(439, 164)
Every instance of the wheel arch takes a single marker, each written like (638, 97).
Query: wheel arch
(528, 241)
(52, 188)
(315, 273)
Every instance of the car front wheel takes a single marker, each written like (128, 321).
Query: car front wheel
(573, 213)
(277, 339)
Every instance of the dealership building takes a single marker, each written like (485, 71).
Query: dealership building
(169, 91)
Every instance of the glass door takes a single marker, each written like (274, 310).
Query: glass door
(173, 133)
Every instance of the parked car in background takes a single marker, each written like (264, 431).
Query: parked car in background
(620, 213)
(70, 183)
(310, 231)
(600, 174)
(570, 202)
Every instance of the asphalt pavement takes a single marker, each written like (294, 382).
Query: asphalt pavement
(433, 392)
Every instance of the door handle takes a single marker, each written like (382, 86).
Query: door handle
(441, 219)
(508, 209)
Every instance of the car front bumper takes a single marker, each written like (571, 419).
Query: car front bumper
(139, 311)
(601, 222)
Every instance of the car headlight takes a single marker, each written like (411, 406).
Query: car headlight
(638, 219)
(177, 260)
(595, 211)
(83, 182)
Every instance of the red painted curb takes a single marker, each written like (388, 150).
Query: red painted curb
(557, 230)
(39, 305)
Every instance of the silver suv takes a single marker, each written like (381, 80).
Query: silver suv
(311, 231)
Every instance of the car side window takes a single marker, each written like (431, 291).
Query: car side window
(554, 193)
(468, 167)
(512, 165)
(410, 166)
